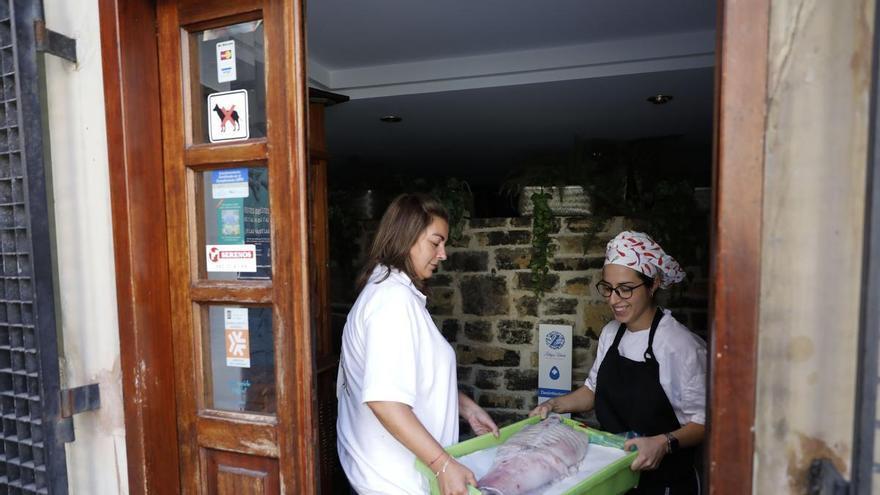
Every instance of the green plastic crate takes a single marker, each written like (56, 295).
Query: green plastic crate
(614, 479)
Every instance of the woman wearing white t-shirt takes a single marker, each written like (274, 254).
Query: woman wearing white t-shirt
(397, 386)
(650, 370)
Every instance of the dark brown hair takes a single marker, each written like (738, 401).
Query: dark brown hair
(401, 225)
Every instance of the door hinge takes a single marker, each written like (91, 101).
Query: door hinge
(80, 399)
(825, 479)
(49, 41)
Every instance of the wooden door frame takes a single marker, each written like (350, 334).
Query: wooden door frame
(738, 178)
(135, 152)
(134, 145)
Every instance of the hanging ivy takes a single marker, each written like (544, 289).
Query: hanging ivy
(542, 245)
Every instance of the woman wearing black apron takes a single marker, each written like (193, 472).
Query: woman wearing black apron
(650, 371)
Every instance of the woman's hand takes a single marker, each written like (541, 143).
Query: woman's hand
(651, 452)
(476, 416)
(481, 422)
(454, 479)
(543, 409)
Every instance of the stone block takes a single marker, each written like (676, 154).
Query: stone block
(441, 301)
(500, 400)
(484, 295)
(579, 286)
(487, 223)
(570, 244)
(521, 379)
(524, 281)
(487, 356)
(440, 280)
(526, 306)
(515, 332)
(512, 258)
(488, 379)
(450, 329)
(521, 221)
(527, 223)
(462, 242)
(480, 331)
(579, 263)
(580, 224)
(560, 306)
(504, 238)
(596, 316)
(467, 261)
(582, 342)
(533, 360)
(464, 374)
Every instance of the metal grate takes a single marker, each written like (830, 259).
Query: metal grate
(32, 433)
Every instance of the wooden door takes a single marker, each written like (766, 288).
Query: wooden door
(233, 106)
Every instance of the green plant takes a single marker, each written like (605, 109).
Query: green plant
(542, 245)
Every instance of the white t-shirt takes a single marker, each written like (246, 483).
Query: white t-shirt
(681, 356)
(392, 351)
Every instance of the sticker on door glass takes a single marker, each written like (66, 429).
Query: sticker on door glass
(229, 183)
(226, 61)
(228, 116)
(235, 323)
(231, 258)
(230, 221)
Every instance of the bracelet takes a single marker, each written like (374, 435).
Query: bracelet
(443, 469)
(437, 458)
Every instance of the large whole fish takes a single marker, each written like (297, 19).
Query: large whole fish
(535, 456)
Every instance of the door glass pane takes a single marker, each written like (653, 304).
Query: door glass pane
(234, 224)
(240, 364)
(228, 83)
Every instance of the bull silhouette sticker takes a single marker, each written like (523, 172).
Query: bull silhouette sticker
(228, 116)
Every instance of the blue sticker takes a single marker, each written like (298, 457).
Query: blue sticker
(229, 176)
(554, 373)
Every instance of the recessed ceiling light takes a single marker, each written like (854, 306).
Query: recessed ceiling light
(391, 119)
(659, 99)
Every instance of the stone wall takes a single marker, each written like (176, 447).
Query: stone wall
(482, 300)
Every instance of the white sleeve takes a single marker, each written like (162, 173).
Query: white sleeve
(691, 371)
(391, 344)
(600, 355)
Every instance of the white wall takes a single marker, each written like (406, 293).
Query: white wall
(819, 82)
(96, 461)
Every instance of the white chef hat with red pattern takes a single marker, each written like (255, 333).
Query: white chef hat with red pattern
(638, 251)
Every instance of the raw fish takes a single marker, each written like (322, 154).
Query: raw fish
(535, 456)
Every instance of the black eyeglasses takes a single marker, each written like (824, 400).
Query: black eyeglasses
(623, 291)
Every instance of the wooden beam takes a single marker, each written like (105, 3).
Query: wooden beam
(741, 80)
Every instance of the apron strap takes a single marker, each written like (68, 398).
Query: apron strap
(649, 352)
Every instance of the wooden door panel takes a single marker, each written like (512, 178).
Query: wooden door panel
(229, 473)
(245, 416)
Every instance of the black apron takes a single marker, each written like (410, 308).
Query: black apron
(629, 397)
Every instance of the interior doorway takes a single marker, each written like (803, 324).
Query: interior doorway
(595, 98)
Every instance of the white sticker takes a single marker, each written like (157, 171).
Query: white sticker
(231, 258)
(228, 116)
(238, 340)
(226, 61)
